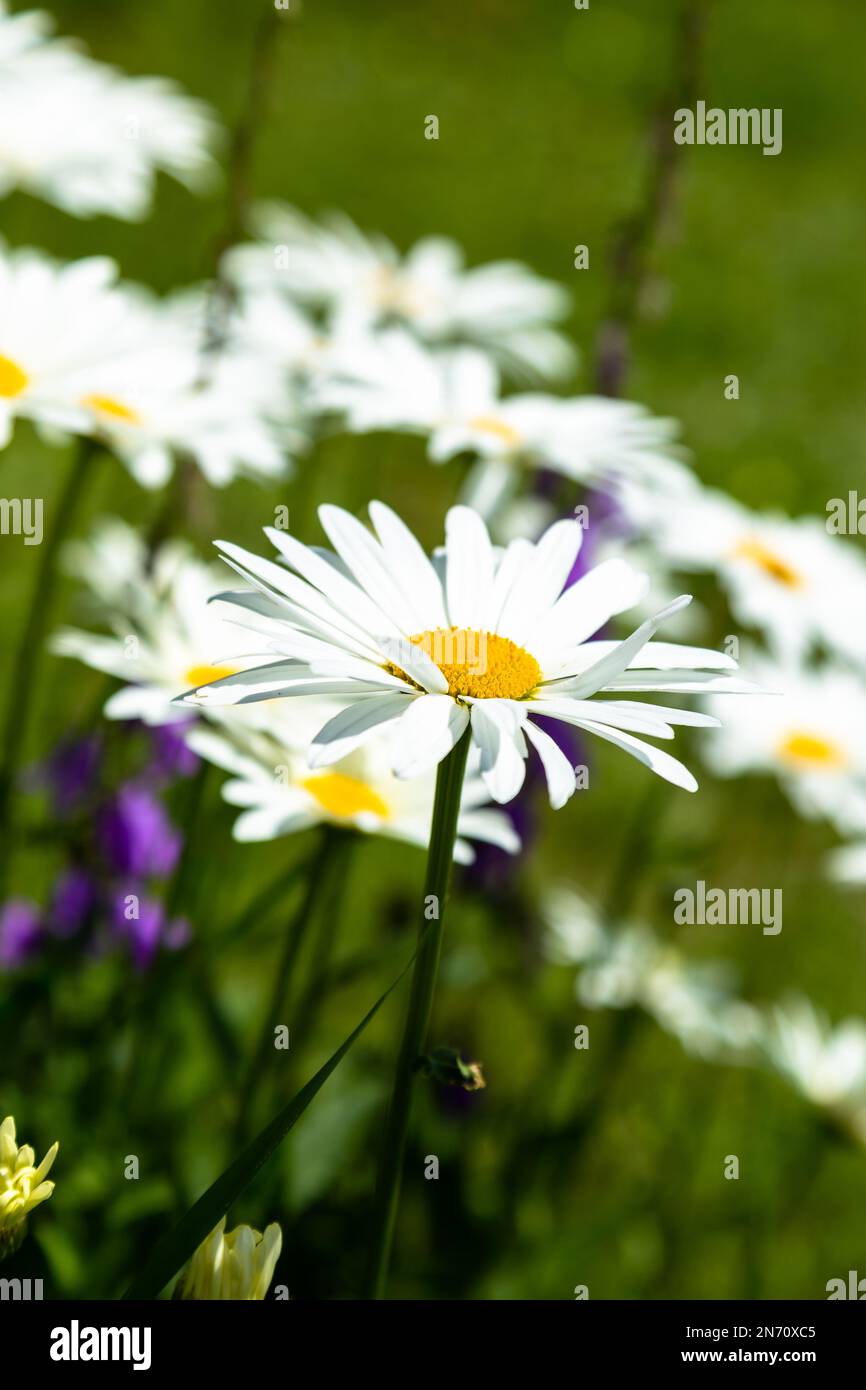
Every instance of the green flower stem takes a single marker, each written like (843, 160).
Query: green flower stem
(21, 694)
(446, 808)
(294, 940)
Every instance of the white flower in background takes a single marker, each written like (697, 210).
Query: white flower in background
(423, 650)
(22, 1183)
(629, 967)
(281, 793)
(112, 133)
(166, 636)
(363, 282)
(82, 354)
(810, 733)
(56, 319)
(825, 1064)
(394, 383)
(239, 1265)
(847, 864)
(791, 579)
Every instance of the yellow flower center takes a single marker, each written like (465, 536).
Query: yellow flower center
(488, 424)
(13, 380)
(801, 749)
(773, 565)
(344, 797)
(205, 675)
(113, 409)
(480, 664)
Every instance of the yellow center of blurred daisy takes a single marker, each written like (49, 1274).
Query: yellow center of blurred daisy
(113, 409)
(773, 565)
(488, 424)
(801, 749)
(344, 797)
(12, 379)
(479, 664)
(205, 675)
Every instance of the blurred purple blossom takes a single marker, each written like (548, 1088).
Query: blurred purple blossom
(74, 898)
(170, 754)
(140, 922)
(71, 772)
(135, 834)
(20, 932)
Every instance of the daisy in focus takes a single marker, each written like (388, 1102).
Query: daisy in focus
(395, 383)
(362, 283)
(22, 1184)
(478, 638)
(811, 736)
(165, 636)
(790, 579)
(280, 792)
(115, 134)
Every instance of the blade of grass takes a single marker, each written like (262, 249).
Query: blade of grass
(171, 1253)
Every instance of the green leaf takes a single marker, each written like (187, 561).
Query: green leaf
(175, 1248)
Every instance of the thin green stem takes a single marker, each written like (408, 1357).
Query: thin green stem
(20, 699)
(294, 940)
(446, 809)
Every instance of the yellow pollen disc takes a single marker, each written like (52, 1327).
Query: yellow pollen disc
(344, 797)
(12, 379)
(113, 409)
(804, 750)
(479, 664)
(488, 424)
(205, 675)
(773, 565)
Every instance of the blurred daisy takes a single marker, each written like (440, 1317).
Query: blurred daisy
(789, 578)
(281, 793)
(363, 282)
(239, 1265)
(115, 131)
(629, 967)
(165, 638)
(825, 1064)
(80, 353)
(453, 397)
(848, 863)
(811, 735)
(478, 638)
(22, 1184)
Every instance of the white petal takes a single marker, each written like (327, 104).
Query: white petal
(412, 659)
(426, 734)
(497, 731)
(597, 676)
(408, 559)
(470, 568)
(654, 758)
(353, 726)
(593, 600)
(561, 780)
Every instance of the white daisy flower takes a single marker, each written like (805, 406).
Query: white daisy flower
(789, 578)
(82, 354)
(477, 638)
(281, 793)
(454, 397)
(114, 134)
(165, 636)
(825, 1064)
(848, 863)
(362, 283)
(811, 735)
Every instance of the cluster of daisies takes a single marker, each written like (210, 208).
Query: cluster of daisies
(627, 966)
